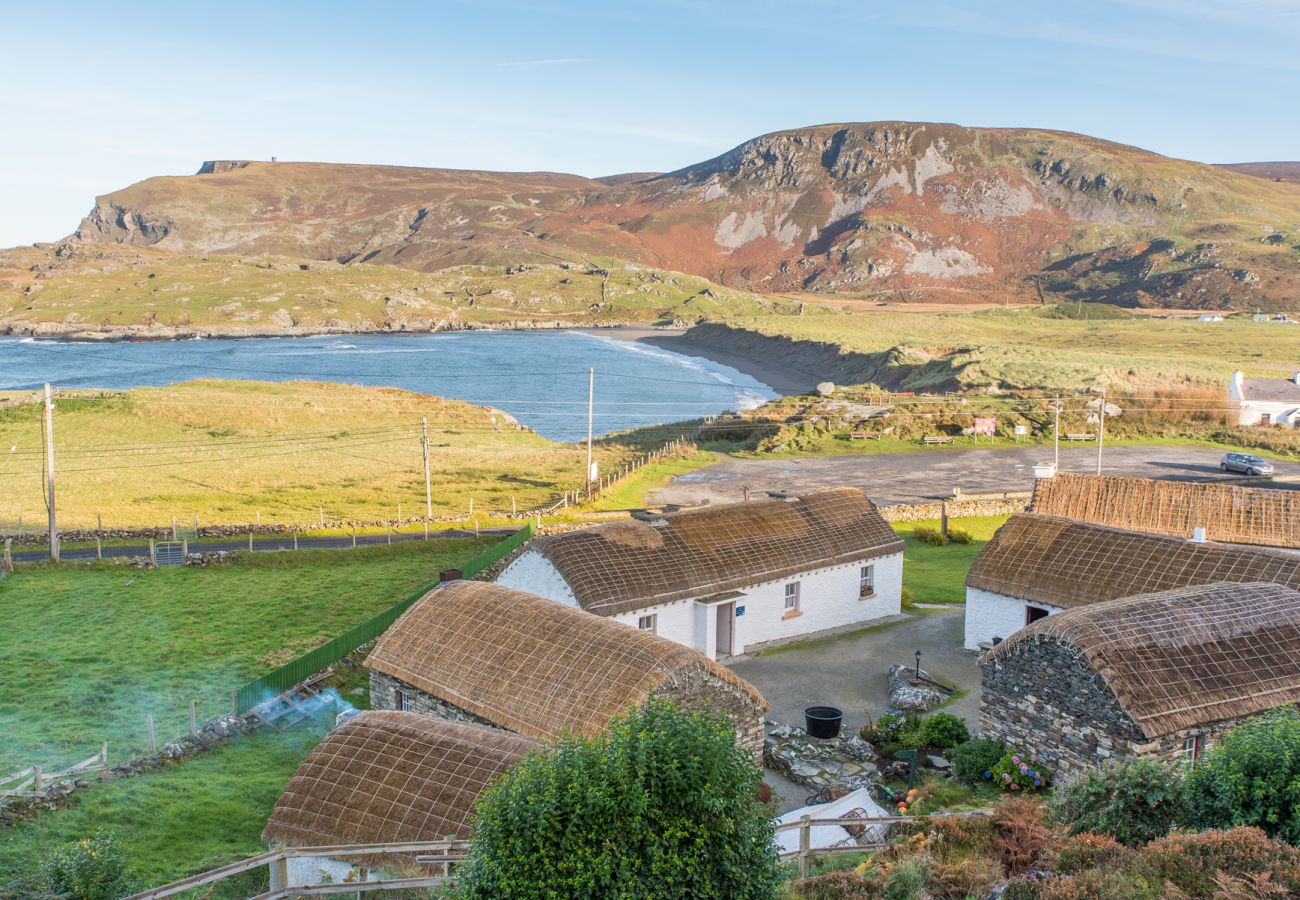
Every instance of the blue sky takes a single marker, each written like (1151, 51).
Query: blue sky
(95, 96)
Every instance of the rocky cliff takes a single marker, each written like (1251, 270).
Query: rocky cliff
(893, 209)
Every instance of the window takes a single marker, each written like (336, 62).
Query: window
(402, 702)
(1033, 614)
(649, 623)
(792, 596)
(867, 581)
(1192, 749)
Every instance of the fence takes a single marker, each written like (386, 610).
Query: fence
(605, 482)
(277, 681)
(33, 781)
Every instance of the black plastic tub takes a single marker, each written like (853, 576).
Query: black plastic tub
(823, 721)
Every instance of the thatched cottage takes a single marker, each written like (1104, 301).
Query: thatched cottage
(485, 653)
(1036, 566)
(731, 578)
(1157, 675)
(1228, 513)
(386, 777)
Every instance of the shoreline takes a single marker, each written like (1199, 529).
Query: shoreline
(780, 378)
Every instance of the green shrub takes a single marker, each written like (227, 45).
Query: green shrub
(973, 761)
(662, 804)
(1134, 801)
(1080, 852)
(888, 729)
(932, 536)
(944, 730)
(1018, 774)
(1251, 778)
(959, 535)
(89, 869)
(844, 884)
(1196, 863)
(908, 880)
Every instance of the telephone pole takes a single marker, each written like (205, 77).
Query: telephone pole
(591, 396)
(424, 446)
(1101, 429)
(49, 473)
(1056, 438)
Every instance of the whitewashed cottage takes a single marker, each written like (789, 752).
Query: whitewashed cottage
(728, 579)
(1266, 401)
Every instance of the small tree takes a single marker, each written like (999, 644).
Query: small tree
(661, 805)
(1251, 778)
(1134, 801)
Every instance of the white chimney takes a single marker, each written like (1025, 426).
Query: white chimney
(1198, 535)
(1296, 378)
(1044, 470)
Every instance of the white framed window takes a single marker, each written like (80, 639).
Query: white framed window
(649, 623)
(792, 596)
(402, 702)
(1192, 748)
(866, 581)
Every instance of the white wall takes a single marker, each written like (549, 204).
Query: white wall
(319, 869)
(828, 600)
(534, 573)
(990, 615)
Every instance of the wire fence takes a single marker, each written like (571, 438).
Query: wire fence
(279, 680)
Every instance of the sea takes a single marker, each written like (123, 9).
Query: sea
(540, 378)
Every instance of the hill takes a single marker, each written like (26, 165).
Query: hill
(1274, 171)
(897, 209)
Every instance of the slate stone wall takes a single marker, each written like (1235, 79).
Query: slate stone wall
(695, 688)
(383, 695)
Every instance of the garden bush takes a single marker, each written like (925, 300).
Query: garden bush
(959, 535)
(1134, 801)
(1195, 863)
(1251, 778)
(1020, 833)
(944, 730)
(662, 804)
(972, 759)
(888, 728)
(932, 536)
(90, 869)
(1016, 773)
(844, 884)
(1080, 852)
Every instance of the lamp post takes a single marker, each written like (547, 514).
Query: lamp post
(918, 663)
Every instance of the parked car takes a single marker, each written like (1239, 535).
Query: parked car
(1246, 463)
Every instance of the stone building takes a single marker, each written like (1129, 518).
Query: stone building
(1037, 566)
(1225, 512)
(386, 777)
(1159, 675)
(731, 578)
(484, 653)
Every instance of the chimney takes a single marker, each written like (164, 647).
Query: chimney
(1198, 535)
(449, 575)
(1295, 379)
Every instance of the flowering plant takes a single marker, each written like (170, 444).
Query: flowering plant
(1017, 774)
(888, 729)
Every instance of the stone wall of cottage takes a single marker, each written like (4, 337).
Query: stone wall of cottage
(698, 689)
(383, 695)
(1045, 700)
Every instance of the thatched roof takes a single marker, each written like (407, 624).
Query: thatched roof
(391, 776)
(1065, 563)
(533, 665)
(1237, 515)
(1184, 658)
(625, 566)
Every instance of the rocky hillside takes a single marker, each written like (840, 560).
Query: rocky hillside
(896, 210)
(1273, 171)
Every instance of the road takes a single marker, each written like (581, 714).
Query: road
(259, 543)
(890, 479)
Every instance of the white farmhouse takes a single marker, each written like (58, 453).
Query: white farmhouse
(728, 579)
(1266, 401)
(1037, 566)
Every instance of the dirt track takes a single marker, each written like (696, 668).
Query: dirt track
(933, 474)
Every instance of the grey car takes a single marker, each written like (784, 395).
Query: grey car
(1246, 463)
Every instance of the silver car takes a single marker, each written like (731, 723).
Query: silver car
(1246, 463)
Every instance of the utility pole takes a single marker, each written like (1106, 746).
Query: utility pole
(424, 444)
(1056, 438)
(591, 396)
(1101, 429)
(49, 473)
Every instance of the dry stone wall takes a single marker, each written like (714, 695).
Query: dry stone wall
(695, 688)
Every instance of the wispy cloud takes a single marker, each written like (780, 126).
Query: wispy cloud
(537, 63)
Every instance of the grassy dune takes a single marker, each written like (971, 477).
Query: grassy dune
(230, 450)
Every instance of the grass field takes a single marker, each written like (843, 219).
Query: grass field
(176, 821)
(234, 451)
(1032, 347)
(938, 574)
(89, 650)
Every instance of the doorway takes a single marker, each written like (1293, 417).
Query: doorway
(726, 629)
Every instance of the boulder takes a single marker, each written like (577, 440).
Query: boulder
(910, 692)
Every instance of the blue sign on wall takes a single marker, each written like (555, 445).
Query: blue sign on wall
(740, 610)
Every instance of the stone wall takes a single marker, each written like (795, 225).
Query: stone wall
(695, 688)
(1046, 700)
(914, 512)
(383, 695)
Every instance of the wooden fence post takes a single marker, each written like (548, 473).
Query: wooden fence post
(250, 542)
(99, 548)
(153, 553)
(234, 701)
(37, 782)
(426, 529)
(175, 531)
(354, 535)
(295, 540)
(388, 532)
(153, 738)
(194, 716)
(9, 556)
(185, 549)
(103, 754)
(805, 842)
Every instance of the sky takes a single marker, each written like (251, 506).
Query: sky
(96, 96)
